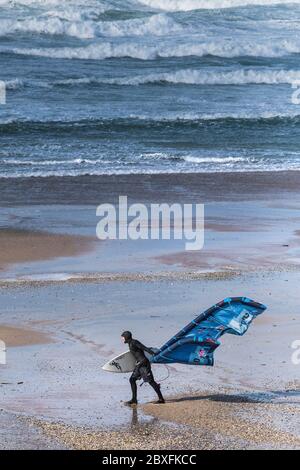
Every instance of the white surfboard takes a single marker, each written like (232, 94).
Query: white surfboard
(122, 363)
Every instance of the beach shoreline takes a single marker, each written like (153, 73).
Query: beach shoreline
(254, 215)
(191, 187)
(27, 246)
(65, 395)
(68, 311)
(149, 169)
(200, 421)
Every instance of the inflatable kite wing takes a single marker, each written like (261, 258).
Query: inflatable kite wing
(196, 343)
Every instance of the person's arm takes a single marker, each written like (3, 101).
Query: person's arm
(144, 348)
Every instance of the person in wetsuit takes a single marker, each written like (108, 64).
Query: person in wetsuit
(142, 369)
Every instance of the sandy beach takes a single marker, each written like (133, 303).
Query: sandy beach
(62, 396)
(21, 246)
(207, 187)
(13, 336)
(65, 297)
(130, 133)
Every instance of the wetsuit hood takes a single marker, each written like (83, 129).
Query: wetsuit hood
(127, 335)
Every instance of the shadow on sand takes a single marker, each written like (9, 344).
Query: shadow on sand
(270, 397)
(255, 397)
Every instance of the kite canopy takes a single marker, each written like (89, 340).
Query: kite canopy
(196, 343)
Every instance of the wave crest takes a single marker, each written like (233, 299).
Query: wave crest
(133, 50)
(185, 77)
(155, 25)
(198, 77)
(188, 5)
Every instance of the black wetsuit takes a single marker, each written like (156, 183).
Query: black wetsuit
(142, 369)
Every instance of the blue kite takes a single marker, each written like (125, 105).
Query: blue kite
(196, 343)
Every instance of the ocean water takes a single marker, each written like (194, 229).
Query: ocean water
(149, 86)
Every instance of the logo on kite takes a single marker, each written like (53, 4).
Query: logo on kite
(202, 353)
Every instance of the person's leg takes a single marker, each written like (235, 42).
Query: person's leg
(156, 387)
(133, 385)
(148, 376)
(134, 377)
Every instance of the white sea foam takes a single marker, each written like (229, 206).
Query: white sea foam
(200, 77)
(209, 160)
(135, 50)
(75, 162)
(187, 5)
(14, 84)
(154, 25)
(160, 118)
(51, 26)
(49, 3)
(57, 163)
(288, 165)
(169, 5)
(187, 117)
(186, 77)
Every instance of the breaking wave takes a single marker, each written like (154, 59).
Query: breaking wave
(187, 5)
(186, 77)
(139, 122)
(133, 50)
(208, 160)
(55, 163)
(155, 25)
(197, 77)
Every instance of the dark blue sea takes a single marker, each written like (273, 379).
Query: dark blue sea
(151, 86)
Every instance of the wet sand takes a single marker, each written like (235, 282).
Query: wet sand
(14, 336)
(17, 433)
(196, 422)
(65, 300)
(231, 416)
(273, 256)
(21, 246)
(249, 399)
(194, 187)
(251, 223)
